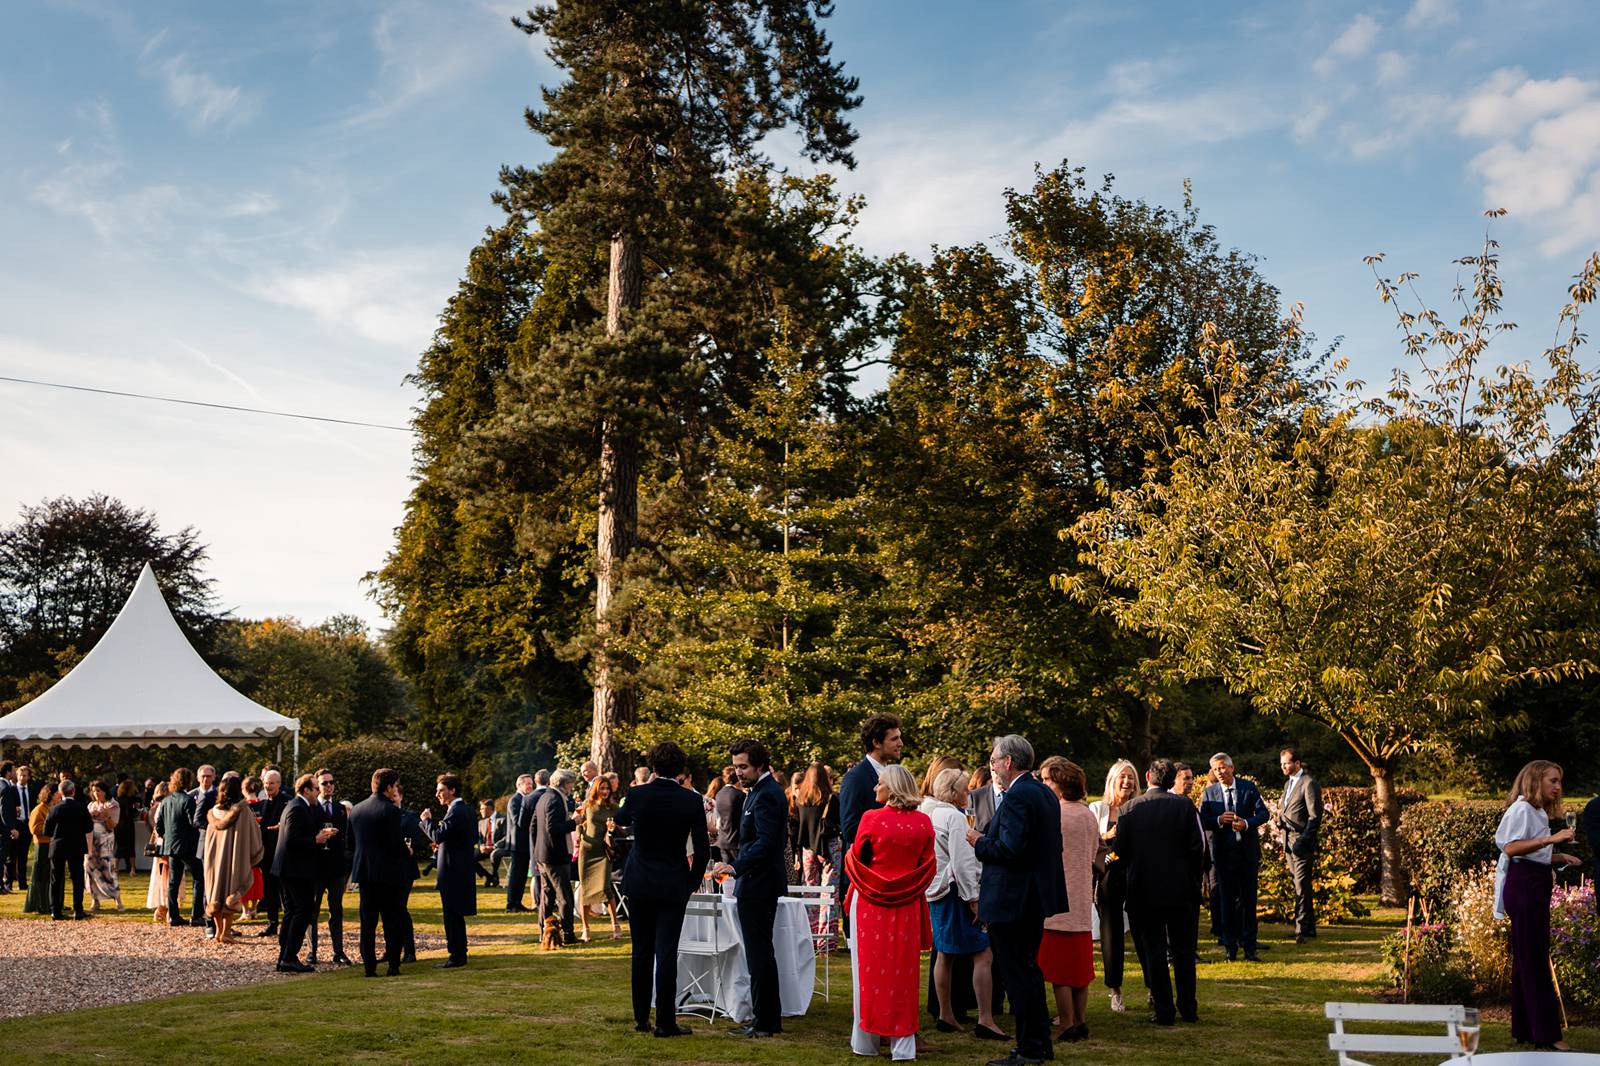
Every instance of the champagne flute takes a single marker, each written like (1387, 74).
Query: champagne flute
(972, 817)
(1467, 1031)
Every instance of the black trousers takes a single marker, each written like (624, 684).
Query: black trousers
(17, 860)
(1174, 929)
(60, 867)
(1015, 944)
(1301, 871)
(1234, 904)
(332, 887)
(296, 894)
(758, 913)
(1111, 897)
(455, 934)
(386, 904)
(517, 879)
(270, 891)
(655, 926)
(555, 894)
(176, 865)
(408, 929)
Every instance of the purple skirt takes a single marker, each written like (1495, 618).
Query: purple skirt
(1535, 1013)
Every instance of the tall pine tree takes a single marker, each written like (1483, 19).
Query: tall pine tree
(663, 102)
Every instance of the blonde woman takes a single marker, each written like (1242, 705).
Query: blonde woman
(953, 905)
(1523, 883)
(155, 896)
(1122, 785)
(890, 863)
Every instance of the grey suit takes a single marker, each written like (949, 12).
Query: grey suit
(1301, 816)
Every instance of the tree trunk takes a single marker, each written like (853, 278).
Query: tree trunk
(1141, 741)
(614, 697)
(1387, 804)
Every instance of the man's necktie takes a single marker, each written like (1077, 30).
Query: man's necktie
(1232, 809)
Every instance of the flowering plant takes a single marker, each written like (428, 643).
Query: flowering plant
(1436, 975)
(1482, 941)
(1575, 946)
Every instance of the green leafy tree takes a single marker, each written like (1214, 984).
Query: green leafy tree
(1022, 377)
(1383, 567)
(662, 103)
(67, 567)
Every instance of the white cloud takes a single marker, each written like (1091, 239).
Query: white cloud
(201, 99)
(1392, 67)
(1544, 164)
(1425, 13)
(1356, 41)
(1509, 100)
(95, 193)
(1308, 122)
(392, 298)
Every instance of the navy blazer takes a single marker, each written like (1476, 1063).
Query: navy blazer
(1230, 847)
(552, 822)
(12, 816)
(664, 817)
(519, 815)
(296, 853)
(858, 794)
(1021, 855)
(1589, 828)
(763, 830)
(380, 857)
(68, 826)
(457, 858)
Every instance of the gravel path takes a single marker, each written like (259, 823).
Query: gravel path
(108, 960)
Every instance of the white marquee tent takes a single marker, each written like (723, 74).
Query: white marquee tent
(144, 684)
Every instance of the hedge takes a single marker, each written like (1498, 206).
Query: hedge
(353, 762)
(1441, 840)
(1350, 832)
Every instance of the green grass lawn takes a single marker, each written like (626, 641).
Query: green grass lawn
(514, 1003)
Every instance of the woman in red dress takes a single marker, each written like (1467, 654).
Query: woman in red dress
(890, 865)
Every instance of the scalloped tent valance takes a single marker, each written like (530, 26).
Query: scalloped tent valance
(143, 684)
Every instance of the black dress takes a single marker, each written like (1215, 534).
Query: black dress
(127, 815)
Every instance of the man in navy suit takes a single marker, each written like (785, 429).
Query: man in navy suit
(764, 826)
(881, 745)
(1158, 838)
(68, 826)
(664, 817)
(295, 866)
(380, 867)
(1232, 810)
(456, 836)
(519, 816)
(1021, 886)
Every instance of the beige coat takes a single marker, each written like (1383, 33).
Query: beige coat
(232, 851)
(1080, 839)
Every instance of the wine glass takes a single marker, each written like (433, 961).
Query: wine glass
(972, 817)
(1467, 1031)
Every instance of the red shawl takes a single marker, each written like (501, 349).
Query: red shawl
(891, 927)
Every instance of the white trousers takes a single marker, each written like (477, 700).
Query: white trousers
(901, 1048)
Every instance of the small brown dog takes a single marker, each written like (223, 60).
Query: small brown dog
(552, 934)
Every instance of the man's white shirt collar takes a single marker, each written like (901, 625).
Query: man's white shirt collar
(877, 766)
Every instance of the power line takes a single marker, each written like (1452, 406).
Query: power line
(201, 403)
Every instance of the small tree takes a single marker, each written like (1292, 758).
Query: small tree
(1385, 566)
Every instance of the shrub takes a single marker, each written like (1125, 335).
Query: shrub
(1332, 887)
(353, 762)
(1437, 976)
(1482, 941)
(1575, 947)
(1350, 837)
(1439, 841)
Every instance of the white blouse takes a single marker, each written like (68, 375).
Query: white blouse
(956, 861)
(1522, 821)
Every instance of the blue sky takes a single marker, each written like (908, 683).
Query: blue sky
(267, 205)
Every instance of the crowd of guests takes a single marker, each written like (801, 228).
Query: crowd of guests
(1004, 872)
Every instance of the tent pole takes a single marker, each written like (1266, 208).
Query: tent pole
(297, 753)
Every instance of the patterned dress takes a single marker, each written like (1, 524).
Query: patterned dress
(891, 865)
(100, 864)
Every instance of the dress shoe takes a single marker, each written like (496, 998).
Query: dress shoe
(1014, 1059)
(516, 908)
(410, 956)
(59, 918)
(311, 959)
(641, 1027)
(450, 964)
(341, 959)
(393, 971)
(749, 1032)
(81, 916)
(270, 930)
(176, 922)
(1232, 956)
(295, 966)
(1299, 938)
(1072, 1034)
(371, 973)
(1157, 1020)
(1251, 956)
(983, 1032)
(676, 1030)
(1191, 1019)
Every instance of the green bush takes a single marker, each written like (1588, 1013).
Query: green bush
(1437, 975)
(1482, 941)
(1350, 833)
(1440, 841)
(353, 762)
(1332, 887)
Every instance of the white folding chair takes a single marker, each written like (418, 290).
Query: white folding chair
(1342, 1042)
(821, 904)
(702, 936)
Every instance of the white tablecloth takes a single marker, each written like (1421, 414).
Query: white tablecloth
(791, 941)
(1526, 1058)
